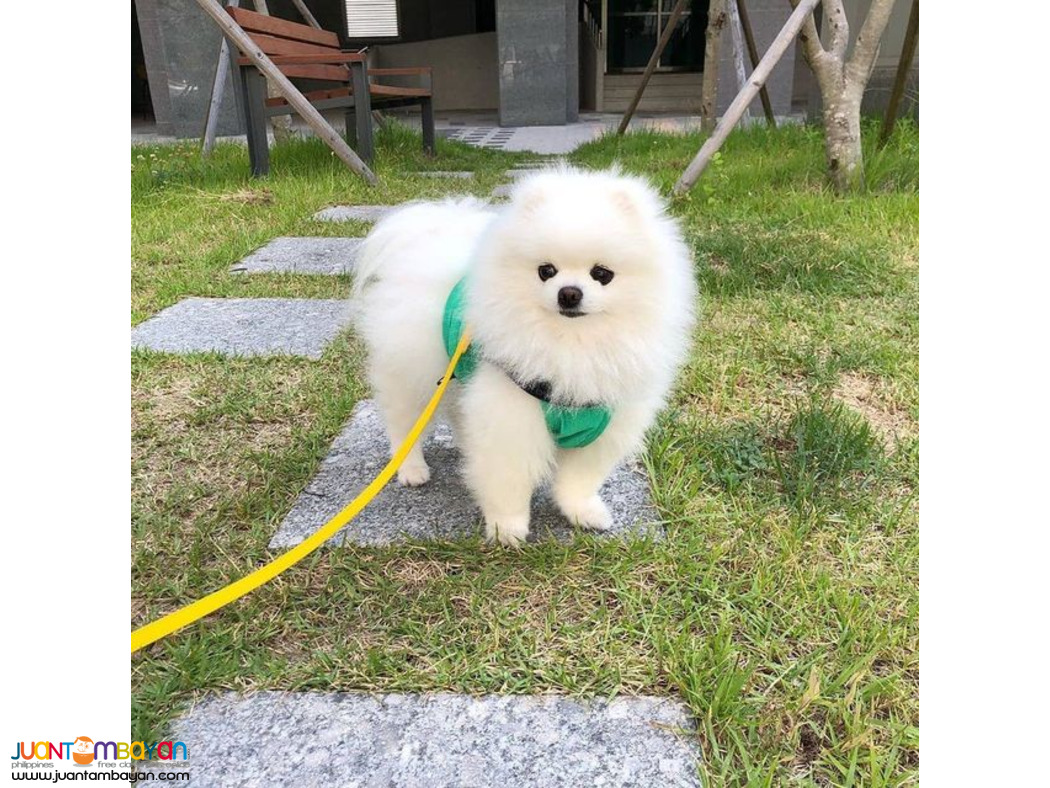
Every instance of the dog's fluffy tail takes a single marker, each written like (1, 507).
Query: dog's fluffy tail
(402, 227)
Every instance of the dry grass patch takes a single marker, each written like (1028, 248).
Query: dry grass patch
(248, 197)
(414, 574)
(181, 445)
(861, 393)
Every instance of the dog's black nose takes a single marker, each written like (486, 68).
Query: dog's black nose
(569, 297)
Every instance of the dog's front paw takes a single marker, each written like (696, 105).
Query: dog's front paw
(590, 513)
(508, 531)
(413, 475)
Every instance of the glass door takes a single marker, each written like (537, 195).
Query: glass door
(635, 27)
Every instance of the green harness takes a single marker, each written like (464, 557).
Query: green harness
(571, 428)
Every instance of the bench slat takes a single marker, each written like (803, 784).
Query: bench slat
(375, 90)
(272, 45)
(308, 60)
(390, 90)
(312, 96)
(331, 73)
(253, 22)
(404, 71)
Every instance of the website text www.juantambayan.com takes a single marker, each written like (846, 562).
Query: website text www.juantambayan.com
(127, 776)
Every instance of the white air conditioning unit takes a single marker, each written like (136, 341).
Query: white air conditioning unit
(371, 19)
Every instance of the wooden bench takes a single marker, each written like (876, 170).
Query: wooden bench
(308, 53)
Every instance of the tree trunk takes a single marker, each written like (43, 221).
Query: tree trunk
(842, 81)
(842, 144)
(716, 19)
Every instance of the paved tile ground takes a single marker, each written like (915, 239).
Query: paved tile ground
(482, 129)
(329, 256)
(442, 509)
(461, 174)
(244, 326)
(353, 213)
(438, 741)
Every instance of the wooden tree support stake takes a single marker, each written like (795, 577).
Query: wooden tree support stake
(911, 38)
(222, 70)
(736, 36)
(746, 96)
(300, 6)
(752, 53)
(650, 67)
(287, 90)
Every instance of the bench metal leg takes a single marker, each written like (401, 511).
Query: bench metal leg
(351, 127)
(362, 111)
(426, 107)
(254, 92)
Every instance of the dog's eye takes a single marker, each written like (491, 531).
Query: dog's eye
(547, 271)
(601, 274)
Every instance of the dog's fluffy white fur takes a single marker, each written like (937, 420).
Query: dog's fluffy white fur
(623, 351)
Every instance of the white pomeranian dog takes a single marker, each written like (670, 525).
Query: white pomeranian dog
(580, 298)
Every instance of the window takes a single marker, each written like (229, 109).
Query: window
(635, 27)
(371, 19)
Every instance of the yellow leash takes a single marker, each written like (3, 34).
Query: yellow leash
(195, 611)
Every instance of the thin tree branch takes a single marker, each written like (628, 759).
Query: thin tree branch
(866, 50)
(838, 35)
(809, 29)
(820, 60)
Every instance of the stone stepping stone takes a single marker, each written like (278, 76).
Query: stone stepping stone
(440, 510)
(536, 164)
(502, 191)
(329, 256)
(353, 213)
(521, 172)
(244, 326)
(461, 174)
(444, 739)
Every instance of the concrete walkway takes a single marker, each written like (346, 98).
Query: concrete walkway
(482, 130)
(441, 740)
(442, 509)
(244, 326)
(328, 256)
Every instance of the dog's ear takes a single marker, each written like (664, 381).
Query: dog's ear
(634, 200)
(529, 196)
(625, 202)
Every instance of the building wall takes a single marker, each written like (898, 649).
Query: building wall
(466, 71)
(666, 92)
(181, 48)
(538, 44)
(590, 75)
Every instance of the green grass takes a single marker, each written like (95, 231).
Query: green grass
(782, 606)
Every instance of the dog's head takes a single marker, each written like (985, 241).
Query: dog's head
(587, 261)
(575, 244)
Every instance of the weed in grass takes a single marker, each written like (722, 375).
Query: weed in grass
(821, 448)
(732, 455)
